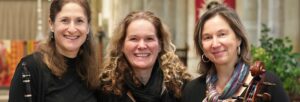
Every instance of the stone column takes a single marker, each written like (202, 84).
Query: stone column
(291, 23)
(180, 24)
(193, 59)
(276, 18)
(247, 11)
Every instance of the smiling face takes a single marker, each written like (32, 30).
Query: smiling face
(70, 29)
(219, 41)
(141, 45)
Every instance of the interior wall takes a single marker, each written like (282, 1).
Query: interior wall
(18, 19)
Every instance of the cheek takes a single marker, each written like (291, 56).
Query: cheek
(205, 46)
(85, 30)
(58, 30)
(155, 47)
(127, 47)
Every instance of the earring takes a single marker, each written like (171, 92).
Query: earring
(87, 37)
(239, 50)
(203, 58)
(52, 35)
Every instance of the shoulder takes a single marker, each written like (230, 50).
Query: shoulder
(33, 62)
(33, 58)
(196, 83)
(195, 90)
(272, 77)
(277, 91)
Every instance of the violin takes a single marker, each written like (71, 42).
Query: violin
(254, 91)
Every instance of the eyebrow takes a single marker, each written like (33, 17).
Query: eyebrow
(134, 34)
(223, 30)
(63, 17)
(205, 34)
(220, 30)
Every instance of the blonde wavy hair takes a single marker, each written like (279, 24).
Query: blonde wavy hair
(115, 65)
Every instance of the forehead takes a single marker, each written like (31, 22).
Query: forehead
(140, 22)
(71, 8)
(217, 19)
(215, 23)
(141, 26)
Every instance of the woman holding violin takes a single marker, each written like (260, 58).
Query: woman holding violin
(221, 43)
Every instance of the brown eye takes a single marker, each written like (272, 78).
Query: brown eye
(80, 21)
(64, 21)
(222, 34)
(133, 39)
(206, 37)
(149, 39)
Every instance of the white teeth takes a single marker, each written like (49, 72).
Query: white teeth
(71, 37)
(141, 55)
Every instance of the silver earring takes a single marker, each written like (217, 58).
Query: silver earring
(239, 50)
(203, 58)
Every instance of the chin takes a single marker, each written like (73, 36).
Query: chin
(141, 66)
(220, 61)
(72, 49)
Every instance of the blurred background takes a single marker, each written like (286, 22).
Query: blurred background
(273, 28)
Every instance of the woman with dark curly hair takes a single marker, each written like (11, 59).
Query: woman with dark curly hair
(141, 65)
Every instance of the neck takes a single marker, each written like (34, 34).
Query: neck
(223, 78)
(67, 54)
(224, 73)
(143, 74)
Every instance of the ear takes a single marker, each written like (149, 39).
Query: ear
(122, 49)
(159, 50)
(88, 29)
(50, 23)
(239, 42)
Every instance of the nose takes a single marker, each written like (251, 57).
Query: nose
(215, 42)
(72, 28)
(141, 44)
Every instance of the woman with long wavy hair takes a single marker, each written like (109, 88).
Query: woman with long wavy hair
(141, 64)
(64, 69)
(221, 44)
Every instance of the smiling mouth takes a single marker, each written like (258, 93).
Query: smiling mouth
(71, 37)
(217, 52)
(142, 55)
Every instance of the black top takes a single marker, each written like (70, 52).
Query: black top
(195, 90)
(46, 87)
(110, 97)
(153, 91)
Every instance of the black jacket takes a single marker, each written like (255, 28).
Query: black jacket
(46, 87)
(195, 90)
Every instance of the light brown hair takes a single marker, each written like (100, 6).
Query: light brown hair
(115, 65)
(87, 66)
(235, 24)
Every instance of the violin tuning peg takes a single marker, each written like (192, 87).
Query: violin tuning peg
(238, 97)
(244, 84)
(269, 84)
(264, 96)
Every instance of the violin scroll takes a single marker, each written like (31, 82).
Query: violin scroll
(258, 68)
(254, 90)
